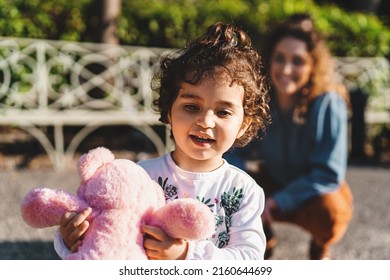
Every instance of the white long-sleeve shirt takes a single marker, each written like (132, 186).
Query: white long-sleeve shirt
(235, 199)
(232, 195)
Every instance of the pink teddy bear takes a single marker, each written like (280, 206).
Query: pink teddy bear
(122, 197)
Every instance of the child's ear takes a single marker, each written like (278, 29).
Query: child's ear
(245, 124)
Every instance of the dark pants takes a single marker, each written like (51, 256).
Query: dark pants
(325, 217)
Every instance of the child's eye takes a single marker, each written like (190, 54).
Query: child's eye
(224, 113)
(191, 107)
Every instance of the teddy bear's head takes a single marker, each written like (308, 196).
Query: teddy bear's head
(108, 183)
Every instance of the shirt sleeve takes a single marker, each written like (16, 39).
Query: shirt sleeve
(328, 157)
(247, 239)
(60, 246)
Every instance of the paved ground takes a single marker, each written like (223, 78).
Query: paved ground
(368, 237)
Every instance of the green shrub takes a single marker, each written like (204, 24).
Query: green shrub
(44, 19)
(171, 23)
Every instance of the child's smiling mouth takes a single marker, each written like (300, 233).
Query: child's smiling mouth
(203, 140)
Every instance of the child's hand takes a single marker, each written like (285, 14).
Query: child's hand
(159, 246)
(73, 225)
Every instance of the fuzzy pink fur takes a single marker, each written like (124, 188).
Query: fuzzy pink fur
(122, 197)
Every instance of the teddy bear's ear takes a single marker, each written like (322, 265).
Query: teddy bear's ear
(90, 162)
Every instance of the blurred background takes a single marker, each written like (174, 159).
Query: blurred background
(76, 74)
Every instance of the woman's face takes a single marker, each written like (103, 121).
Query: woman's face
(291, 66)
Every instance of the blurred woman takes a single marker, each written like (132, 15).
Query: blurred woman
(303, 154)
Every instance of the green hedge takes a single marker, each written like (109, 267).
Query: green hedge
(47, 19)
(171, 23)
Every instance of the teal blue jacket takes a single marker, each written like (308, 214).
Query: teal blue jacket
(308, 159)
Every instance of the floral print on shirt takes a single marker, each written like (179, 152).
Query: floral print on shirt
(226, 206)
(170, 191)
(230, 203)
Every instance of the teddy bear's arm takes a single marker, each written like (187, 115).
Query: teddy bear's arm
(44, 207)
(185, 218)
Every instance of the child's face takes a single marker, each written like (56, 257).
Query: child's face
(206, 119)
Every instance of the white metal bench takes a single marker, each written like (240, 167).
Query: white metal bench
(54, 83)
(58, 84)
(371, 74)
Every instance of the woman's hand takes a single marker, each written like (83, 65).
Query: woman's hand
(270, 204)
(159, 246)
(72, 227)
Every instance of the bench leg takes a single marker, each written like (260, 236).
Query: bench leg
(59, 146)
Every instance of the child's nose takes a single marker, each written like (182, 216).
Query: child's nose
(206, 120)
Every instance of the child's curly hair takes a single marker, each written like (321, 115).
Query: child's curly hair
(224, 51)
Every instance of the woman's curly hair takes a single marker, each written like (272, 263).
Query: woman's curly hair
(224, 51)
(322, 79)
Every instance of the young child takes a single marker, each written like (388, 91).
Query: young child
(212, 94)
